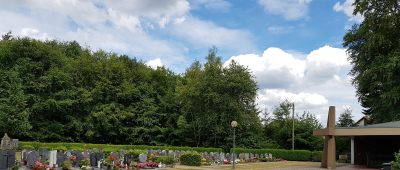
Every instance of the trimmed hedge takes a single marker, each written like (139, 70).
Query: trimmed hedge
(38, 145)
(290, 155)
(191, 159)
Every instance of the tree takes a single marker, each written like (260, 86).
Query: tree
(374, 49)
(345, 118)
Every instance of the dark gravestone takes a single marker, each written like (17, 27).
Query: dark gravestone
(86, 155)
(128, 158)
(79, 156)
(32, 157)
(45, 155)
(7, 159)
(60, 158)
(94, 158)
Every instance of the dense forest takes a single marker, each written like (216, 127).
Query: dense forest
(56, 91)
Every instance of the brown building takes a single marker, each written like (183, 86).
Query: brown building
(371, 145)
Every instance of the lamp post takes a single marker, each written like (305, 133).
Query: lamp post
(233, 124)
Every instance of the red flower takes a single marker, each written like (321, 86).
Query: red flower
(112, 157)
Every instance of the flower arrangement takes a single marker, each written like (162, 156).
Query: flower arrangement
(140, 165)
(211, 160)
(72, 158)
(40, 166)
(66, 164)
(86, 161)
(152, 164)
(205, 163)
(203, 160)
(124, 167)
(227, 162)
(242, 162)
(112, 156)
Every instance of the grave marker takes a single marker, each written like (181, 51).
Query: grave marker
(7, 159)
(32, 158)
(142, 158)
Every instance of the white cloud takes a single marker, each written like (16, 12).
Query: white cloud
(212, 5)
(277, 30)
(34, 33)
(179, 20)
(155, 63)
(348, 9)
(313, 81)
(289, 9)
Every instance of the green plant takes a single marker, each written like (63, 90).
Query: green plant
(191, 159)
(15, 167)
(66, 164)
(60, 148)
(169, 161)
(136, 154)
(396, 163)
(116, 167)
(30, 147)
(316, 156)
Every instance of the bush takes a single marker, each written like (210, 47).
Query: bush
(77, 149)
(28, 147)
(60, 148)
(298, 155)
(157, 158)
(136, 154)
(191, 159)
(316, 156)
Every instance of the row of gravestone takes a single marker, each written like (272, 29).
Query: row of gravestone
(222, 157)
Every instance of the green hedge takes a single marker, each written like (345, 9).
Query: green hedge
(316, 156)
(169, 160)
(290, 155)
(136, 154)
(89, 146)
(191, 159)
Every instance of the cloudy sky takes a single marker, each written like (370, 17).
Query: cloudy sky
(292, 46)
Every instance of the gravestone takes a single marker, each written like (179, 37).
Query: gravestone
(251, 155)
(216, 156)
(52, 157)
(270, 156)
(177, 153)
(163, 153)
(183, 152)
(23, 154)
(147, 151)
(206, 156)
(44, 154)
(142, 158)
(256, 155)
(123, 152)
(128, 158)
(241, 156)
(32, 158)
(266, 155)
(79, 156)
(262, 156)
(116, 157)
(171, 153)
(151, 152)
(246, 156)
(221, 157)
(95, 158)
(97, 149)
(60, 158)
(228, 157)
(157, 153)
(67, 154)
(234, 157)
(86, 155)
(7, 159)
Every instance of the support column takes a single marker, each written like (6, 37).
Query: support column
(352, 150)
(329, 153)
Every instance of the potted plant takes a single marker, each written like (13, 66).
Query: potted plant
(65, 165)
(15, 167)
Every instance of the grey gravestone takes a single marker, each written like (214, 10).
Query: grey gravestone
(171, 153)
(157, 153)
(97, 149)
(86, 155)
(202, 155)
(142, 158)
(60, 158)
(151, 152)
(206, 156)
(79, 156)
(235, 157)
(53, 158)
(241, 156)
(270, 156)
(251, 155)
(122, 153)
(67, 154)
(45, 155)
(116, 158)
(228, 157)
(7, 159)
(94, 158)
(221, 157)
(32, 157)
(164, 153)
(256, 155)
(216, 156)
(266, 155)
(23, 154)
(128, 158)
(246, 156)
(177, 153)
(262, 156)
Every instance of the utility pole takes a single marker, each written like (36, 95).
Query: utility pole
(293, 129)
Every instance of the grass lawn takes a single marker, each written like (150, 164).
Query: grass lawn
(265, 165)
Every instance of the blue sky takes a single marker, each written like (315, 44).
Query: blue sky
(292, 46)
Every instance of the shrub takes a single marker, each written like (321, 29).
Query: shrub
(158, 158)
(263, 159)
(77, 149)
(316, 156)
(60, 148)
(298, 155)
(136, 154)
(191, 159)
(28, 147)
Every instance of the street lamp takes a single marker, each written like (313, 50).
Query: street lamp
(233, 124)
